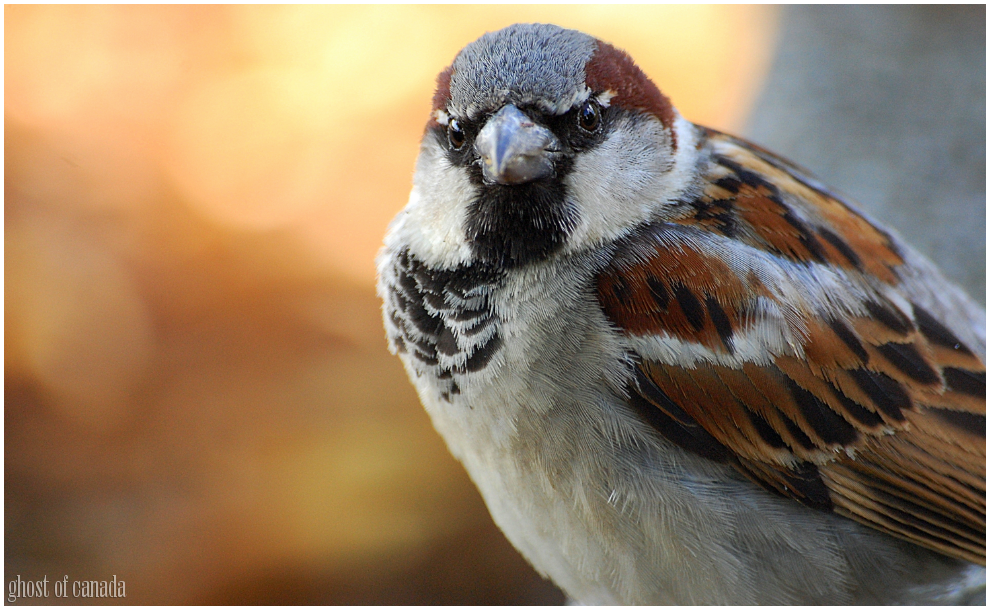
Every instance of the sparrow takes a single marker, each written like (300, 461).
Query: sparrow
(679, 368)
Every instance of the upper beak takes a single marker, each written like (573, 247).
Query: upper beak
(513, 149)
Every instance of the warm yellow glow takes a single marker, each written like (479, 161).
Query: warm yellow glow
(307, 118)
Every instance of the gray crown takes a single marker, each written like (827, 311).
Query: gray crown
(526, 63)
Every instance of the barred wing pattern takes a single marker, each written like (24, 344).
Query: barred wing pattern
(808, 358)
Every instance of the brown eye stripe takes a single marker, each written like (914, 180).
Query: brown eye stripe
(610, 69)
(441, 96)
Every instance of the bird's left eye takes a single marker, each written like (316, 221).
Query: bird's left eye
(455, 134)
(589, 116)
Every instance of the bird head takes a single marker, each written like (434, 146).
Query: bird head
(542, 140)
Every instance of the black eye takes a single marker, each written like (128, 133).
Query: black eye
(589, 117)
(455, 134)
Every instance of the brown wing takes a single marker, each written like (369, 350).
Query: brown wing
(878, 411)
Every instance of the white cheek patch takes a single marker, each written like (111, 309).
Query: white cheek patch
(432, 223)
(629, 178)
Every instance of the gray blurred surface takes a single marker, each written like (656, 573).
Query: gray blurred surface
(887, 104)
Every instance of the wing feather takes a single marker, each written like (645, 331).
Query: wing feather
(771, 329)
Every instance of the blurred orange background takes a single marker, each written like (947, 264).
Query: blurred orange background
(198, 396)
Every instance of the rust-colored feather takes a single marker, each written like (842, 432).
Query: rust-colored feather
(868, 409)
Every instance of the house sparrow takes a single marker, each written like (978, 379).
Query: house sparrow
(679, 368)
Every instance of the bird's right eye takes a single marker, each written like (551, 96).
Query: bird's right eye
(455, 134)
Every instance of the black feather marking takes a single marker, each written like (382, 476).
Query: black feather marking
(857, 411)
(886, 394)
(840, 244)
(968, 422)
(907, 360)
(890, 316)
(480, 326)
(798, 434)
(935, 332)
(691, 437)
(801, 482)
(436, 301)
(719, 210)
(621, 291)
(479, 359)
(427, 323)
(807, 480)
(720, 321)
(805, 236)
(849, 338)
(729, 183)
(428, 359)
(743, 175)
(463, 315)
(447, 342)
(966, 382)
(658, 291)
(765, 430)
(690, 306)
(652, 392)
(408, 283)
(829, 425)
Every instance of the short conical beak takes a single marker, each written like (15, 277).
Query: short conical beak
(514, 149)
